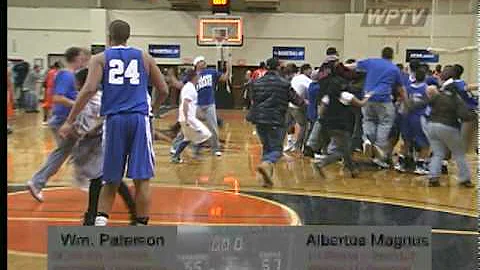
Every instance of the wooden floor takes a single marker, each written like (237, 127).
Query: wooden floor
(31, 142)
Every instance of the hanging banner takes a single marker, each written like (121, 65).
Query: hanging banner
(97, 48)
(423, 55)
(164, 51)
(289, 53)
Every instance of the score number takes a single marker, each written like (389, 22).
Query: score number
(225, 244)
(271, 264)
(194, 265)
(220, 2)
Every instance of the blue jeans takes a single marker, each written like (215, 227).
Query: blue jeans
(55, 160)
(272, 140)
(444, 138)
(378, 120)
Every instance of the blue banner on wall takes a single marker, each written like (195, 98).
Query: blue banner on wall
(164, 51)
(289, 53)
(423, 55)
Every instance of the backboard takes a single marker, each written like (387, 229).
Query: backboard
(224, 29)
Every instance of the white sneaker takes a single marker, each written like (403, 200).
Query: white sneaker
(290, 146)
(380, 163)
(318, 156)
(172, 151)
(378, 152)
(37, 194)
(101, 221)
(44, 123)
(218, 153)
(367, 148)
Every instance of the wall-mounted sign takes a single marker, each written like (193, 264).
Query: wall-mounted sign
(97, 48)
(289, 53)
(164, 51)
(423, 55)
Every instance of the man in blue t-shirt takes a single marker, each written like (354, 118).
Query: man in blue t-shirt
(382, 76)
(207, 82)
(64, 95)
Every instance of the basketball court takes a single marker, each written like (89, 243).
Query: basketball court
(222, 191)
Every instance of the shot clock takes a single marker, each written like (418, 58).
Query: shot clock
(220, 6)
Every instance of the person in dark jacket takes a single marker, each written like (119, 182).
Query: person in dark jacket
(270, 96)
(447, 108)
(337, 120)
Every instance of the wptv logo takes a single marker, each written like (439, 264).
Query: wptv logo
(401, 16)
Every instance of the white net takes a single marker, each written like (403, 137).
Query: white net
(223, 52)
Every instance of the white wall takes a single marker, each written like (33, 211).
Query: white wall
(40, 34)
(262, 33)
(35, 32)
(450, 32)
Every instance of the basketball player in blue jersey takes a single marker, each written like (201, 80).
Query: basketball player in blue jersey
(412, 127)
(124, 73)
(207, 82)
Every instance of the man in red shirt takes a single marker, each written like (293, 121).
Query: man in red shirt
(49, 85)
(258, 73)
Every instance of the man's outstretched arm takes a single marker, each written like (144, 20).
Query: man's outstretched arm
(94, 77)
(160, 87)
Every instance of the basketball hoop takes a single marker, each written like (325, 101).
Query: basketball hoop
(220, 35)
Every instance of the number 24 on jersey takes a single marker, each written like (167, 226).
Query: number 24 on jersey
(117, 72)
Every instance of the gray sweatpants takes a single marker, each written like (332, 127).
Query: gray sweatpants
(300, 117)
(444, 138)
(378, 120)
(209, 115)
(55, 160)
(469, 135)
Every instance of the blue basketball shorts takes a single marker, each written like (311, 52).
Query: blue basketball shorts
(128, 143)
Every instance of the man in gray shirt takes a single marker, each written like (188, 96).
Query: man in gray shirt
(30, 90)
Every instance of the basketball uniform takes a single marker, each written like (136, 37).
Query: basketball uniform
(126, 106)
(413, 124)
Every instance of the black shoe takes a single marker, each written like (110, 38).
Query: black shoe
(319, 168)
(88, 219)
(467, 184)
(353, 173)
(444, 169)
(308, 152)
(133, 220)
(434, 182)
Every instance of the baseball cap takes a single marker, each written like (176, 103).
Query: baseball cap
(198, 59)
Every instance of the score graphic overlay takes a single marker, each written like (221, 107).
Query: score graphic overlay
(240, 248)
(111, 248)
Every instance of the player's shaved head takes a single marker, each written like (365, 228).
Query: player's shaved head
(119, 32)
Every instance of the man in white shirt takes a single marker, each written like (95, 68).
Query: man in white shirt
(300, 84)
(193, 129)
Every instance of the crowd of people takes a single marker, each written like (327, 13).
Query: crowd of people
(102, 118)
(365, 106)
(28, 87)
